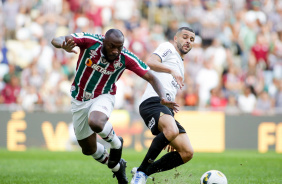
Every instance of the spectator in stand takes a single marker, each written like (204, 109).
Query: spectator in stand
(264, 104)
(210, 25)
(217, 100)
(247, 100)
(253, 76)
(171, 30)
(28, 98)
(276, 56)
(255, 14)
(137, 44)
(275, 17)
(218, 52)
(207, 73)
(193, 61)
(260, 51)
(278, 98)
(10, 11)
(232, 106)
(13, 71)
(43, 56)
(195, 11)
(232, 82)
(247, 38)
(191, 96)
(11, 91)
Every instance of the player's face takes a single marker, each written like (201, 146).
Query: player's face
(185, 40)
(112, 48)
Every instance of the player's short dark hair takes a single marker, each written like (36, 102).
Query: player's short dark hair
(116, 32)
(185, 28)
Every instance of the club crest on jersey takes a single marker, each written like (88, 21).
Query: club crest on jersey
(168, 97)
(103, 60)
(72, 88)
(117, 64)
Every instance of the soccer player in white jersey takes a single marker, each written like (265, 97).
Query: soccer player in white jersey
(101, 62)
(167, 64)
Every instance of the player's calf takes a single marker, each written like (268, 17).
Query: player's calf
(121, 173)
(115, 155)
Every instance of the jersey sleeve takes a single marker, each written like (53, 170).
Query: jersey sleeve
(85, 40)
(134, 64)
(163, 50)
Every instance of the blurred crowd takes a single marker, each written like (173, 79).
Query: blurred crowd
(235, 65)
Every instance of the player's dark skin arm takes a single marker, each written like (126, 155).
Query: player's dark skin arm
(65, 42)
(153, 80)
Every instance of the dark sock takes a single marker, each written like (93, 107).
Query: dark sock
(158, 143)
(167, 162)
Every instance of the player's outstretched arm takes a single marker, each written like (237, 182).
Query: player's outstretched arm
(155, 63)
(153, 80)
(65, 42)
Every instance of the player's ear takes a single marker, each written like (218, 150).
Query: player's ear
(175, 38)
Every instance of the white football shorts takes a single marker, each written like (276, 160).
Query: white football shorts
(81, 111)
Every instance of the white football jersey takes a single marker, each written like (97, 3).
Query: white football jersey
(171, 58)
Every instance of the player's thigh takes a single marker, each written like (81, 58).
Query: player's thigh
(182, 144)
(151, 110)
(167, 125)
(103, 103)
(80, 119)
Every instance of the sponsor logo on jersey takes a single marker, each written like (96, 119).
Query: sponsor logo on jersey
(88, 62)
(98, 68)
(101, 69)
(166, 53)
(175, 84)
(117, 64)
(152, 122)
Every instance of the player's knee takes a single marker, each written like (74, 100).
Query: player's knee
(96, 124)
(171, 133)
(187, 155)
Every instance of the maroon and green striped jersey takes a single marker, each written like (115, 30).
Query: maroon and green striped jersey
(94, 75)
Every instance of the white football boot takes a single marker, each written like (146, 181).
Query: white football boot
(139, 177)
(134, 170)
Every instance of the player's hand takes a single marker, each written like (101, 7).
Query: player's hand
(169, 148)
(69, 45)
(178, 78)
(169, 104)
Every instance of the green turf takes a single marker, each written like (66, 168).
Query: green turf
(44, 167)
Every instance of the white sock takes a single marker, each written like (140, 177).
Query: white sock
(116, 168)
(101, 154)
(108, 134)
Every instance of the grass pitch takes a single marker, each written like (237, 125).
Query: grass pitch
(44, 167)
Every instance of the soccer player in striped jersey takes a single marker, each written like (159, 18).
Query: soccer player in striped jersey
(101, 62)
(167, 65)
